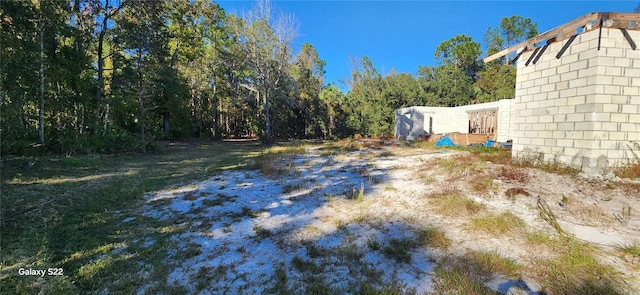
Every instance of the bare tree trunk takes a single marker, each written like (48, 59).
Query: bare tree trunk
(214, 124)
(41, 110)
(105, 120)
(141, 102)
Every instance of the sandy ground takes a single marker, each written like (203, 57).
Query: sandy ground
(246, 233)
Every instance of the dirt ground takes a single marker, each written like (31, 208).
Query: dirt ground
(349, 223)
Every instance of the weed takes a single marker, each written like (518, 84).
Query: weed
(564, 201)
(314, 251)
(262, 232)
(577, 271)
(398, 249)
(304, 265)
(433, 237)
(280, 286)
(481, 183)
(512, 173)
(455, 278)
(498, 224)
(548, 215)
(514, 191)
(486, 263)
(625, 216)
(632, 250)
(632, 169)
(192, 250)
(373, 244)
(456, 205)
(218, 201)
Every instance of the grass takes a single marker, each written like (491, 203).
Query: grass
(577, 270)
(515, 191)
(433, 237)
(511, 173)
(453, 204)
(497, 224)
(64, 211)
(632, 250)
(632, 170)
(398, 249)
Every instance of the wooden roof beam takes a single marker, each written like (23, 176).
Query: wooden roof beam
(565, 31)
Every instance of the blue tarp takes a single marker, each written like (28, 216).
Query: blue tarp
(445, 141)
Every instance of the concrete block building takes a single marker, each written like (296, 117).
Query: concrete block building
(577, 98)
(577, 101)
(492, 119)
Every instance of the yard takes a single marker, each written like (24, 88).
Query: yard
(358, 217)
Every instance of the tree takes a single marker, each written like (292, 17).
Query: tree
(267, 40)
(497, 82)
(512, 30)
(461, 52)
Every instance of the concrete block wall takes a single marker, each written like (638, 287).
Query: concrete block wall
(582, 109)
(412, 122)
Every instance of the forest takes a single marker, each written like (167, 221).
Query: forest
(113, 76)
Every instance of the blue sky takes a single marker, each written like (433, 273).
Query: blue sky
(405, 34)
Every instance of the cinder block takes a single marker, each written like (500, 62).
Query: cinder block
(609, 144)
(545, 119)
(631, 72)
(583, 64)
(569, 58)
(535, 90)
(622, 81)
(546, 104)
(598, 135)
(532, 119)
(570, 92)
(541, 81)
(620, 99)
(579, 82)
(579, 47)
(573, 100)
(553, 94)
(611, 89)
(628, 127)
(614, 52)
(622, 62)
(588, 72)
(588, 107)
(566, 109)
(538, 127)
(575, 117)
(583, 144)
(629, 109)
(564, 142)
(590, 98)
(602, 79)
(603, 98)
(607, 42)
(569, 75)
(585, 89)
(582, 126)
(554, 63)
(554, 79)
(621, 118)
(552, 126)
(597, 117)
(542, 65)
(565, 126)
(563, 69)
(535, 75)
(527, 83)
(526, 113)
(538, 112)
(604, 60)
(631, 90)
(610, 126)
(548, 87)
(616, 135)
(549, 142)
(612, 71)
(610, 108)
(633, 136)
(587, 54)
(615, 154)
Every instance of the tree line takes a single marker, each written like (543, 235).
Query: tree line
(83, 76)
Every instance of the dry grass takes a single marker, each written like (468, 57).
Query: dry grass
(513, 173)
(433, 237)
(498, 224)
(453, 204)
(515, 191)
(632, 170)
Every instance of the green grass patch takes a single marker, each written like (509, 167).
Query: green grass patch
(452, 204)
(68, 212)
(398, 249)
(497, 224)
(433, 237)
(577, 270)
